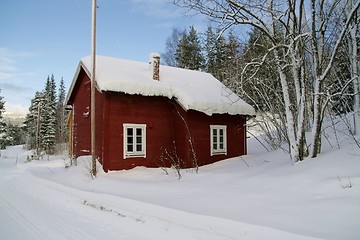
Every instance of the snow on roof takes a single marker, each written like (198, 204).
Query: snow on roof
(194, 90)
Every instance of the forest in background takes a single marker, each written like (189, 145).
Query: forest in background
(298, 65)
(44, 129)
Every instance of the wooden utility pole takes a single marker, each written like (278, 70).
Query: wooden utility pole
(92, 112)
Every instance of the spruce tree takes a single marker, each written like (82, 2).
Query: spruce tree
(195, 51)
(35, 122)
(61, 115)
(182, 52)
(49, 120)
(210, 51)
(2, 124)
(2, 105)
(189, 51)
(172, 43)
(220, 60)
(262, 80)
(45, 122)
(232, 60)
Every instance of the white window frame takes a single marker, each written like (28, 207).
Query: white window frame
(134, 153)
(218, 150)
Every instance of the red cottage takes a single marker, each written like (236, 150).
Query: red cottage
(152, 115)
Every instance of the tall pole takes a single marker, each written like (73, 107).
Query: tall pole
(92, 112)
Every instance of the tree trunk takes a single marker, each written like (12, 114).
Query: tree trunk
(354, 65)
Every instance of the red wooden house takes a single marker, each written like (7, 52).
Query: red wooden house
(152, 115)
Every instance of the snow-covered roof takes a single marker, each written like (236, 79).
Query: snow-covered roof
(194, 90)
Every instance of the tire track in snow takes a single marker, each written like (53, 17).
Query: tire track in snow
(26, 214)
(50, 210)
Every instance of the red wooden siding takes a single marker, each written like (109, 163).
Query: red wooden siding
(199, 124)
(169, 128)
(155, 112)
(81, 118)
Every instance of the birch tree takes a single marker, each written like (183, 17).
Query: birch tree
(302, 54)
(353, 45)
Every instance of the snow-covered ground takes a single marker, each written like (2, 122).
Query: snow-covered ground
(259, 196)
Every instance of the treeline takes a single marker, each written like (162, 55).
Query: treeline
(247, 67)
(45, 124)
(293, 73)
(10, 134)
(209, 51)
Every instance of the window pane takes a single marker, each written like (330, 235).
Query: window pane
(130, 148)
(214, 132)
(214, 139)
(221, 139)
(134, 140)
(139, 148)
(129, 131)
(214, 135)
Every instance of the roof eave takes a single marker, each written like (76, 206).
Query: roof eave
(71, 89)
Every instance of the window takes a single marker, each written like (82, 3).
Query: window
(218, 139)
(134, 140)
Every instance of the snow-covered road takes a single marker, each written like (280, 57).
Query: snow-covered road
(259, 196)
(32, 207)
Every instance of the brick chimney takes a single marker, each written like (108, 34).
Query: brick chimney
(155, 66)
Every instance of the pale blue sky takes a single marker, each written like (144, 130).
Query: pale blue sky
(43, 37)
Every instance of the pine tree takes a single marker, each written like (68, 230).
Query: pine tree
(182, 52)
(195, 50)
(172, 43)
(2, 105)
(220, 58)
(34, 122)
(4, 136)
(265, 79)
(210, 51)
(48, 130)
(232, 60)
(45, 123)
(12, 135)
(61, 115)
(2, 124)
(189, 51)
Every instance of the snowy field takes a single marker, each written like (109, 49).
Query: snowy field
(259, 196)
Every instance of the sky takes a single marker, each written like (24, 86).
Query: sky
(39, 38)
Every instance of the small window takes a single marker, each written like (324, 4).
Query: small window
(134, 140)
(218, 139)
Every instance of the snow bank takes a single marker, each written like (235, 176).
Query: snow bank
(258, 196)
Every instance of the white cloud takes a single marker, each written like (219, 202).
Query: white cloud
(8, 62)
(5, 75)
(16, 109)
(16, 80)
(11, 67)
(7, 68)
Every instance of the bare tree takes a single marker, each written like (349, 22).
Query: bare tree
(171, 45)
(353, 45)
(301, 49)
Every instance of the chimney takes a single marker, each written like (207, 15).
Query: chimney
(155, 66)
